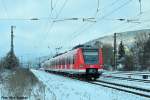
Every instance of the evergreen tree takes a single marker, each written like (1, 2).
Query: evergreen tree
(121, 51)
(11, 61)
(121, 57)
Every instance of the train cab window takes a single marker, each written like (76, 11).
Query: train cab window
(90, 56)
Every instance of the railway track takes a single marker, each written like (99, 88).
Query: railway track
(130, 79)
(125, 88)
(131, 73)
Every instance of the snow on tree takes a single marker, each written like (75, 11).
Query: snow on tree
(11, 61)
(138, 51)
(121, 56)
(121, 50)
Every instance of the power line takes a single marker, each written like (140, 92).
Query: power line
(53, 6)
(52, 23)
(64, 4)
(134, 17)
(51, 26)
(107, 6)
(81, 29)
(116, 9)
(108, 14)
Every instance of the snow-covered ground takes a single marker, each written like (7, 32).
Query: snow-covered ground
(126, 82)
(107, 77)
(20, 84)
(128, 74)
(62, 88)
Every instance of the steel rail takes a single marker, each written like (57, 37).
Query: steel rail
(124, 88)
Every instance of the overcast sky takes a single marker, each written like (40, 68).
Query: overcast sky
(34, 38)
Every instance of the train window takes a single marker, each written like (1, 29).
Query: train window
(68, 61)
(73, 59)
(56, 62)
(90, 56)
(59, 62)
(63, 61)
(52, 63)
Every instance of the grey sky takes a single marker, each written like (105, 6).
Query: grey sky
(32, 38)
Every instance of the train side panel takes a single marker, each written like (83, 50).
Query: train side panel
(75, 62)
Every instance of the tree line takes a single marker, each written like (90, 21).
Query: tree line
(129, 57)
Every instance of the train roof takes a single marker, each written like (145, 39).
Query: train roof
(76, 47)
(84, 47)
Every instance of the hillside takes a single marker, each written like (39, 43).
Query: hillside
(127, 37)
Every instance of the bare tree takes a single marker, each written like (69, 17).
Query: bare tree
(107, 55)
(146, 54)
(138, 50)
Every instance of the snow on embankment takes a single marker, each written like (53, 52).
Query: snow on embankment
(20, 84)
(61, 88)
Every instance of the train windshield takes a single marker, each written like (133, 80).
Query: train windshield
(90, 56)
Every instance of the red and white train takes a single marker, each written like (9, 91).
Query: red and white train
(82, 62)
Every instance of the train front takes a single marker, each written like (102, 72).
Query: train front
(92, 62)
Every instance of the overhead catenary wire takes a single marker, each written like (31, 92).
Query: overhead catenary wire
(122, 26)
(84, 25)
(108, 14)
(76, 33)
(79, 30)
(50, 17)
(107, 6)
(50, 26)
(132, 24)
(52, 23)
(95, 15)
